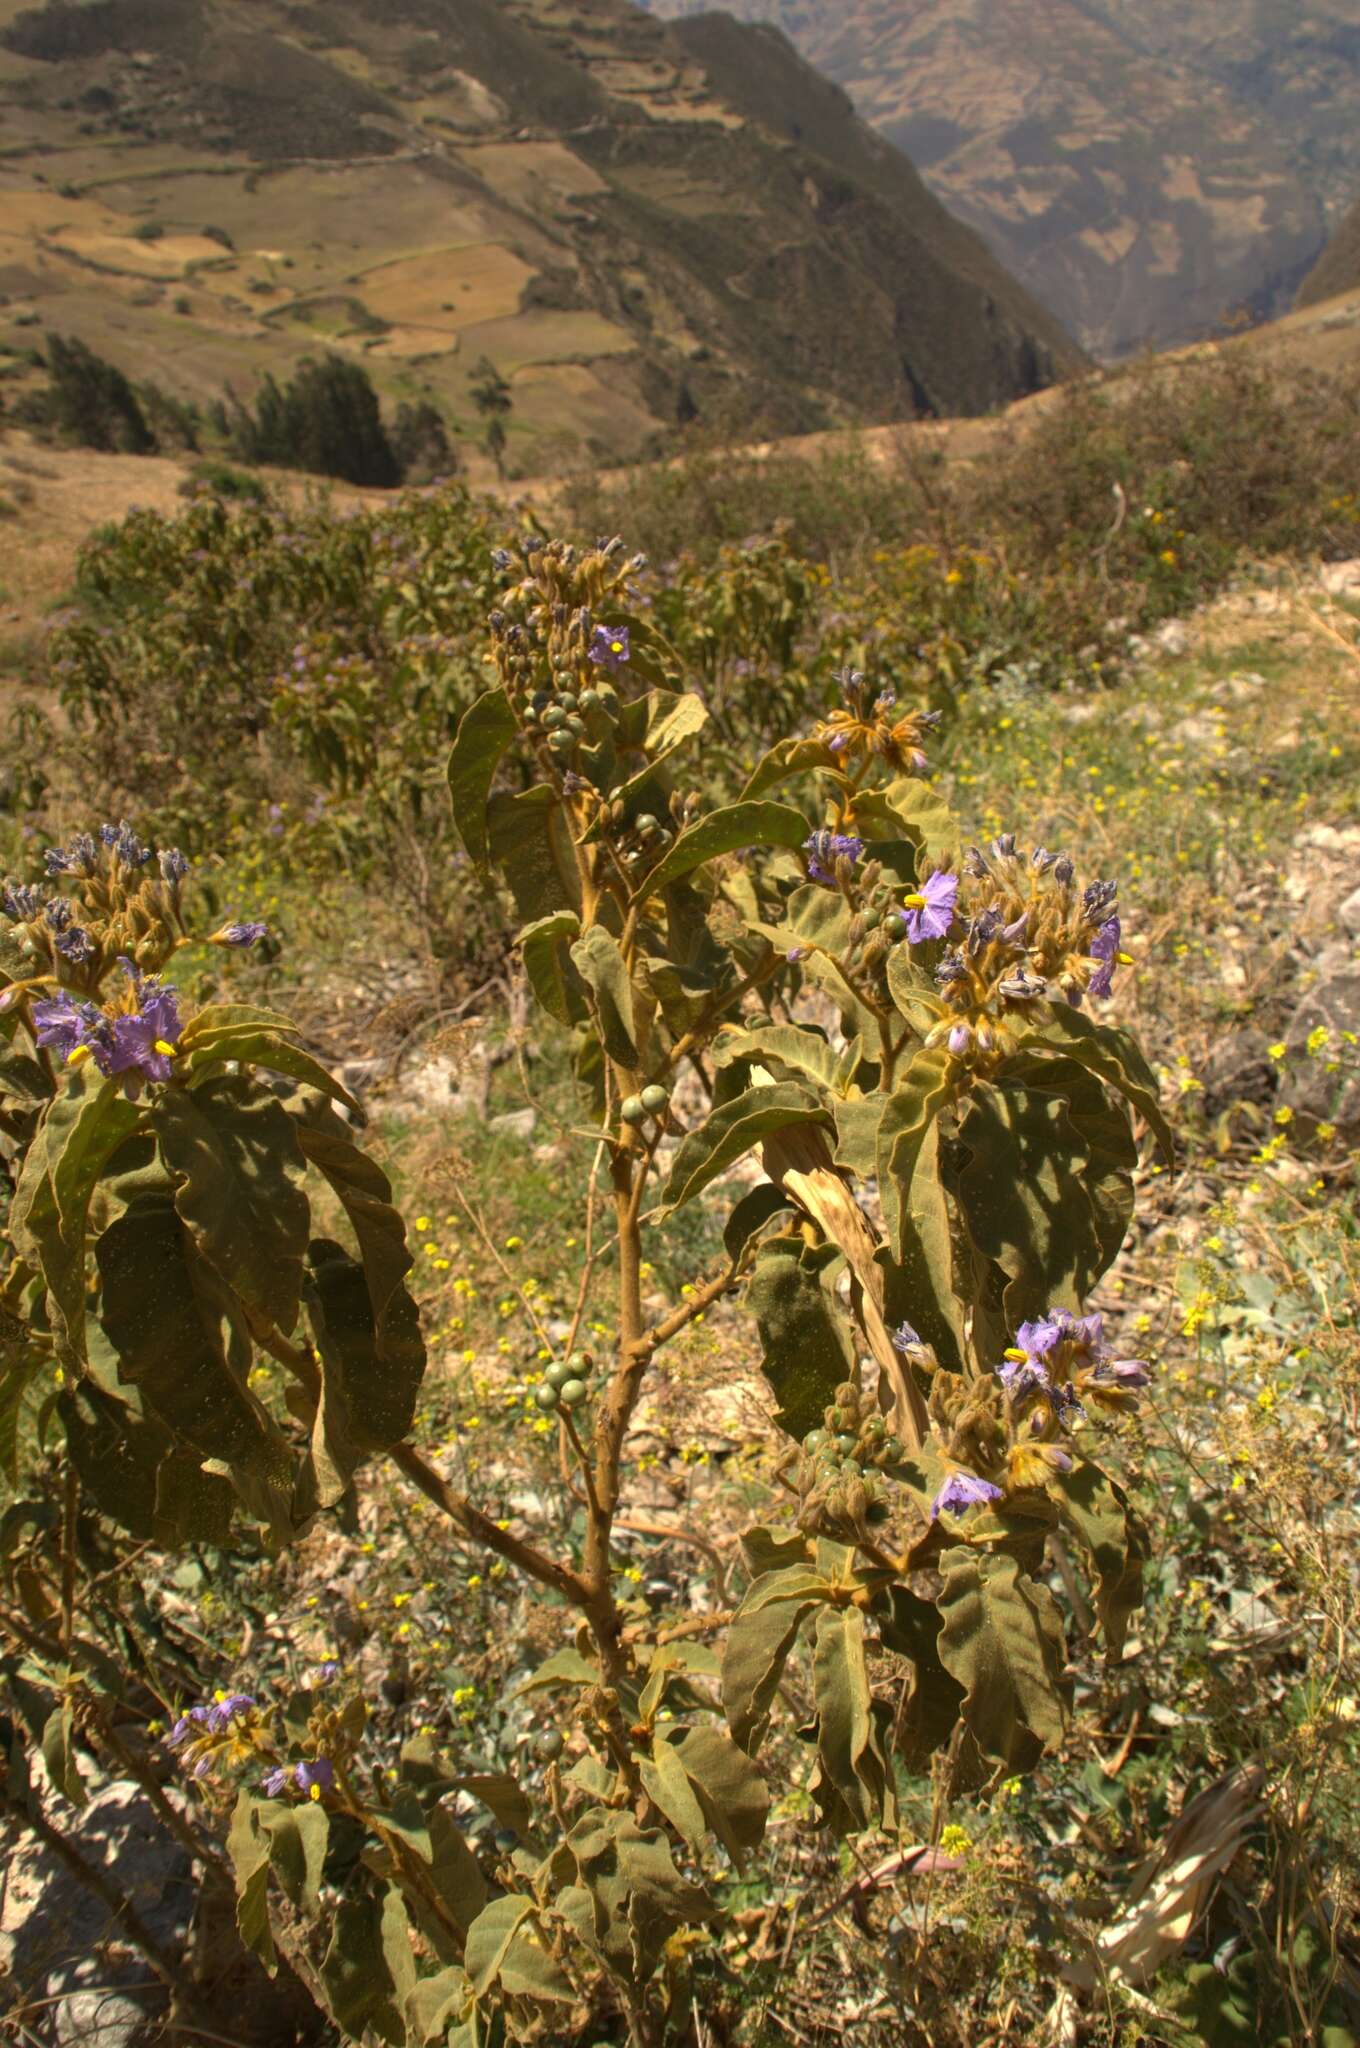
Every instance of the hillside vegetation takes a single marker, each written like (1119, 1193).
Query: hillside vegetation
(206, 193)
(1150, 173)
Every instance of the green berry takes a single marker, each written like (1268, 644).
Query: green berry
(561, 742)
(576, 726)
(549, 1745)
(568, 700)
(546, 1397)
(558, 1373)
(579, 1365)
(633, 1110)
(647, 823)
(589, 700)
(875, 1429)
(554, 716)
(815, 1440)
(573, 1393)
(654, 1098)
(845, 1444)
(505, 1840)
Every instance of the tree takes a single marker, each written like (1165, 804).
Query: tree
(92, 403)
(493, 399)
(326, 420)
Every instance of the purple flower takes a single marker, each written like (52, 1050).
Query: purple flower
(609, 647)
(905, 1339)
(222, 1713)
(67, 1027)
(146, 1041)
(314, 1778)
(1105, 949)
(824, 848)
(57, 911)
(81, 857)
(327, 1671)
(1121, 1372)
(930, 912)
(795, 954)
(1022, 1376)
(960, 1038)
(174, 866)
(186, 1725)
(240, 934)
(961, 1491)
(275, 1782)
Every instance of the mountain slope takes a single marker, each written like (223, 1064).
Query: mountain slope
(1337, 269)
(606, 208)
(1148, 168)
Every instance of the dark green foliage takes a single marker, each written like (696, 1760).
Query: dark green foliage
(325, 420)
(420, 443)
(92, 403)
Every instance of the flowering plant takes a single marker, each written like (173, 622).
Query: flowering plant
(905, 1031)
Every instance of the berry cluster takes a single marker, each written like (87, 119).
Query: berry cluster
(564, 1383)
(838, 1473)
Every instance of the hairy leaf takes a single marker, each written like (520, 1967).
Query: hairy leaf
(731, 1791)
(806, 1342)
(484, 735)
(784, 759)
(368, 1971)
(847, 1741)
(82, 1130)
(1002, 1639)
(530, 842)
(599, 962)
(723, 831)
(759, 1641)
(545, 950)
(752, 1212)
(1112, 1056)
(1099, 1516)
(728, 1133)
(238, 1169)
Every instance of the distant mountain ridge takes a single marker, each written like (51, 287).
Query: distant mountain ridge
(1149, 169)
(635, 223)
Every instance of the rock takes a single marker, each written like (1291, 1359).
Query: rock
(1338, 579)
(1172, 637)
(59, 1942)
(1239, 1069)
(1315, 1094)
(515, 1123)
(439, 1086)
(1201, 729)
(1348, 914)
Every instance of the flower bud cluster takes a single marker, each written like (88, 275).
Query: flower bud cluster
(867, 728)
(233, 1729)
(838, 1472)
(1007, 1434)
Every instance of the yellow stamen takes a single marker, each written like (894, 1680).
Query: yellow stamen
(1018, 1356)
(78, 1055)
(162, 1045)
(1124, 959)
(314, 1792)
(616, 647)
(914, 902)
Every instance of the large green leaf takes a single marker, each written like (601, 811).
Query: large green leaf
(634, 1896)
(600, 964)
(908, 1116)
(165, 1325)
(723, 831)
(250, 1848)
(365, 1194)
(911, 809)
(731, 1792)
(1108, 1053)
(529, 841)
(790, 1052)
(786, 758)
(1002, 1639)
(485, 732)
(806, 1340)
(253, 1038)
(731, 1131)
(82, 1130)
(239, 1171)
(930, 1714)
(755, 1209)
(370, 1374)
(1046, 1194)
(545, 949)
(758, 1644)
(848, 1745)
(368, 1971)
(1099, 1516)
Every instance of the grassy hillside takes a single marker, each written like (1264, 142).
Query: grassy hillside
(613, 214)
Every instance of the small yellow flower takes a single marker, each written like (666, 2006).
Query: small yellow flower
(955, 1840)
(513, 1244)
(422, 1223)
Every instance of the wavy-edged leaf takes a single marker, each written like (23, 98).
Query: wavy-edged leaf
(728, 1133)
(165, 1326)
(564, 1667)
(848, 1745)
(529, 841)
(785, 758)
(755, 1209)
(759, 1643)
(238, 1169)
(598, 961)
(667, 1785)
(370, 1372)
(909, 1113)
(807, 1347)
(368, 1971)
(732, 1794)
(485, 733)
(1098, 1513)
(1002, 1640)
(546, 952)
(59, 1754)
(135, 1472)
(1110, 1054)
(790, 1052)
(723, 831)
(82, 1130)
